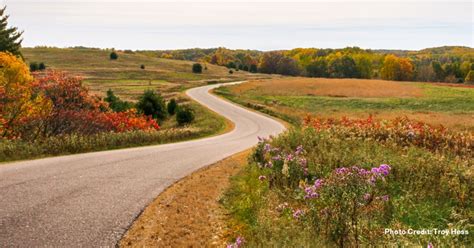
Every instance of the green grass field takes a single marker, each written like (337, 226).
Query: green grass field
(293, 98)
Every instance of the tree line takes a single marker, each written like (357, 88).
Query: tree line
(451, 64)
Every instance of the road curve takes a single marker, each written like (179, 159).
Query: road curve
(91, 199)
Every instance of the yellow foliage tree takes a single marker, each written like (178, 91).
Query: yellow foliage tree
(18, 101)
(395, 68)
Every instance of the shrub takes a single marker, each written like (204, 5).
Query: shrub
(41, 66)
(113, 56)
(253, 68)
(184, 115)
(470, 77)
(34, 66)
(115, 103)
(231, 72)
(197, 68)
(142, 67)
(172, 105)
(402, 131)
(152, 104)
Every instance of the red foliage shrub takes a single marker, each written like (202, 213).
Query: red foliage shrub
(402, 131)
(76, 111)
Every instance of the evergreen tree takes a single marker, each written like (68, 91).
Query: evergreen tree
(10, 37)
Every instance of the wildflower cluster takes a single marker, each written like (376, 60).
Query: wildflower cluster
(333, 205)
(343, 198)
(401, 131)
(286, 168)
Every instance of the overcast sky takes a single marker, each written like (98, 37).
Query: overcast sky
(263, 25)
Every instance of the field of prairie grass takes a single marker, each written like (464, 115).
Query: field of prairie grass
(293, 98)
(124, 75)
(372, 156)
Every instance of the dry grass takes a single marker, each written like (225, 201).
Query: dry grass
(188, 213)
(363, 88)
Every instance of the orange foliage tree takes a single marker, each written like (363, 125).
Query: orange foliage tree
(18, 101)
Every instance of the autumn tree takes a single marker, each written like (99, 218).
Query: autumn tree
(470, 77)
(317, 68)
(10, 37)
(269, 62)
(395, 68)
(276, 62)
(18, 101)
(342, 66)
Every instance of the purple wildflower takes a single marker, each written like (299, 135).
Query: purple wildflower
(367, 196)
(318, 183)
(267, 148)
(299, 150)
(385, 198)
(384, 169)
(262, 178)
(342, 170)
(239, 241)
(297, 214)
(269, 164)
(429, 245)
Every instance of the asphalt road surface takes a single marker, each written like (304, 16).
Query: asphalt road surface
(91, 199)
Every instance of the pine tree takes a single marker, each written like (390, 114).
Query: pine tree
(10, 37)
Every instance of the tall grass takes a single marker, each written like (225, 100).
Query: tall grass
(425, 190)
(69, 144)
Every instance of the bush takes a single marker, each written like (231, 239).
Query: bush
(41, 66)
(152, 104)
(113, 55)
(197, 68)
(470, 77)
(34, 66)
(231, 72)
(184, 115)
(115, 103)
(253, 68)
(172, 105)
(142, 67)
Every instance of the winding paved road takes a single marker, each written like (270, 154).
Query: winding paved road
(91, 199)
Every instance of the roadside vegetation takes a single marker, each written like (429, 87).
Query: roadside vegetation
(362, 156)
(344, 182)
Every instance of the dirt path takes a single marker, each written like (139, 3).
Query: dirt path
(188, 213)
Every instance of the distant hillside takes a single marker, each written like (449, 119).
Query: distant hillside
(125, 75)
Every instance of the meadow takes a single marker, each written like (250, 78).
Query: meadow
(124, 75)
(128, 77)
(361, 156)
(293, 98)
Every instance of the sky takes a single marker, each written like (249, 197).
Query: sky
(262, 25)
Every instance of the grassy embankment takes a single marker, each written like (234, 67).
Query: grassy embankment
(428, 187)
(125, 77)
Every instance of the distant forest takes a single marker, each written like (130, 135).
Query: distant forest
(452, 64)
